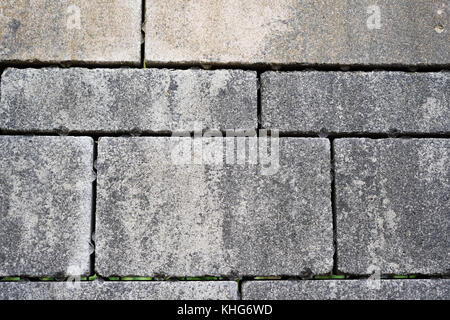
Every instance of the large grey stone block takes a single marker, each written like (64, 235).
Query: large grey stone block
(45, 205)
(124, 100)
(347, 290)
(158, 216)
(393, 205)
(120, 290)
(311, 32)
(356, 102)
(85, 31)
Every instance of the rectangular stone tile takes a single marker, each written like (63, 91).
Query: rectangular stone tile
(306, 32)
(347, 290)
(393, 209)
(45, 205)
(112, 100)
(356, 102)
(85, 31)
(161, 214)
(120, 290)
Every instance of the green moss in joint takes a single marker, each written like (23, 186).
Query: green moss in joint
(136, 278)
(47, 279)
(11, 279)
(322, 277)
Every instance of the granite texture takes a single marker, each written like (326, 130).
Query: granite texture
(45, 205)
(393, 205)
(127, 100)
(416, 289)
(75, 31)
(123, 290)
(156, 216)
(356, 102)
(305, 32)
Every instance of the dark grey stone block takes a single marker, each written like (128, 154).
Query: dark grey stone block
(45, 205)
(125, 100)
(121, 290)
(393, 205)
(347, 290)
(158, 217)
(356, 102)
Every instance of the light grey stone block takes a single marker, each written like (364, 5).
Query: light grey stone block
(356, 102)
(84, 31)
(311, 32)
(393, 205)
(121, 290)
(347, 290)
(45, 205)
(124, 100)
(158, 216)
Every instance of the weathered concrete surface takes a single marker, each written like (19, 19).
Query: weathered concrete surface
(347, 290)
(114, 100)
(356, 102)
(124, 290)
(308, 32)
(158, 216)
(393, 209)
(45, 205)
(87, 31)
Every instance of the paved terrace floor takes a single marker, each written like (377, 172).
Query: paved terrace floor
(171, 149)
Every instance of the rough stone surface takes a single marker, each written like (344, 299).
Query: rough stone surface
(124, 100)
(157, 216)
(298, 32)
(393, 205)
(124, 290)
(356, 102)
(87, 31)
(347, 290)
(45, 205)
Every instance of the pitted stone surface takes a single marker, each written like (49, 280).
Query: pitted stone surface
(125, 290)
(85, 31)
(45, 205)
(393, 209)
(347, 290)
(125, 100)
(356, 102)
(158, 216)
(308, 32)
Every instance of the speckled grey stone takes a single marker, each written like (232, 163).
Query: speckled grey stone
(356, 102)
(45, 205)
(157, 217)
(311, 32)
(123, 290)
(393, 205)
(347, 290)
(114, 100)
(85, 31)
